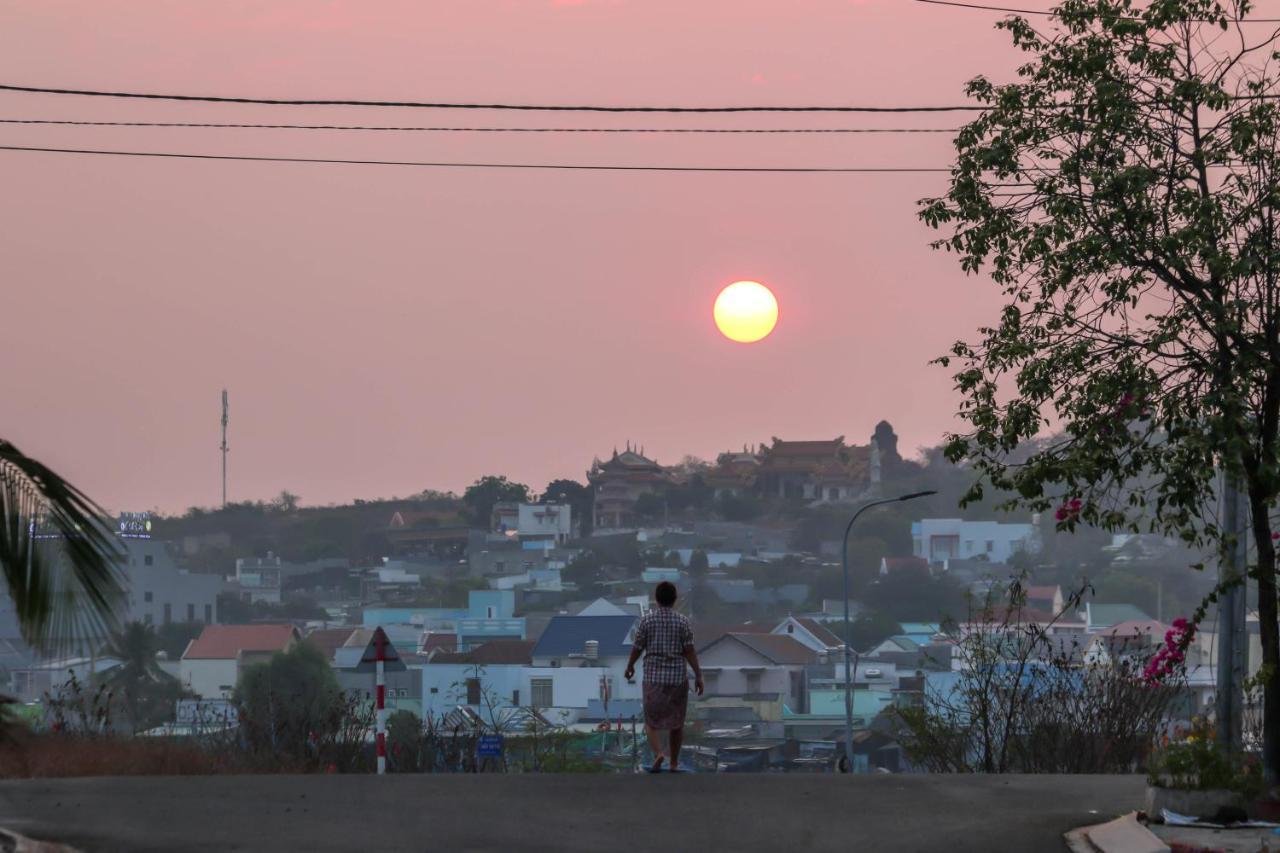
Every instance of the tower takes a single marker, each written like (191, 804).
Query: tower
(224, 447)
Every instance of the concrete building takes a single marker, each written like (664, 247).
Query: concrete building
(546, 522)
(940, 539)
(212, 663)
(160, 592)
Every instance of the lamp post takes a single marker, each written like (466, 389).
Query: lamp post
(848, 654)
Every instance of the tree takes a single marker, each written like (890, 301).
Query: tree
(286, 502)
(1123, 194)
(290, 702)
(481, 495)
(580, 498)
(148, 692)
(739, 507)
(59, 560)
(650, 506)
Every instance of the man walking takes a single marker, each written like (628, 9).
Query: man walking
(665, 638)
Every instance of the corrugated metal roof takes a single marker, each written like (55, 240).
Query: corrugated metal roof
(568, 635)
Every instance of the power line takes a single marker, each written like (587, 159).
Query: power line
(453, 165)
(479, 129)
(475, 106)
(1054, 14)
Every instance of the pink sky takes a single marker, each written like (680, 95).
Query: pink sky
(384, 330)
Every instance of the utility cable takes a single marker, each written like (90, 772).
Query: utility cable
(477, 106)
(455, 165)
(20, 121)
(1055, 14)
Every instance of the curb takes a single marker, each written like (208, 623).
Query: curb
(1122, 835)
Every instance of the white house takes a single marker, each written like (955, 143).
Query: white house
(212, 663)
(940, 539)
(544, 523)
(500, 675)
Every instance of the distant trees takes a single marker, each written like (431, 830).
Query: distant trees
(580, 498)
(481, 495)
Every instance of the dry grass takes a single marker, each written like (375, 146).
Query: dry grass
(52, 755)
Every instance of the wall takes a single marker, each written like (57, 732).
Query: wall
(972, 538)
(736, 681)
(444, 685)
(190, 597)
(206, 678)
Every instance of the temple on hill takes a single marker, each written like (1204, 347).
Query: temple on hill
(827, 470)
(619, 482)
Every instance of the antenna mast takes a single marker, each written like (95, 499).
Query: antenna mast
(224, 447)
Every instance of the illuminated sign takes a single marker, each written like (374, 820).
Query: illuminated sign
(135, 525)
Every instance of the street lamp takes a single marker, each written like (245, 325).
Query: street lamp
(848, 665)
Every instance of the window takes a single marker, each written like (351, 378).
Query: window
(473, 691)
(208, 614)
(146, 596)
(168, 613)
(499, 565)
(148, 560)
(541, 693)
(191, 613)
(991, 546)
(515, 698)
(488, 612)
(791, 629)
(753, 682)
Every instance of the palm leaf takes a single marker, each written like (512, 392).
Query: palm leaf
(58, 556)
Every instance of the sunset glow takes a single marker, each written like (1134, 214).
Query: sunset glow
(746, 312)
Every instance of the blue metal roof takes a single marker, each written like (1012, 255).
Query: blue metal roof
(568, 635)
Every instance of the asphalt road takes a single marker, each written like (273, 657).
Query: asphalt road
(746, 812)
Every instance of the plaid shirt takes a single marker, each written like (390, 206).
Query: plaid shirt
(663, 635)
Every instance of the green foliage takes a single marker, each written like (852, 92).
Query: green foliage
(481, 495)
(868, 630)
(1198, 763)
(1122, 193)
(910, 596)
(146, 692)
(744, 507)
(651, 507)
(64, 589)
(290, 701)
(233, 610)
(581, 500)
(173, 638)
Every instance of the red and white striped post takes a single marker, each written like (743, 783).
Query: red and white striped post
(380, 680)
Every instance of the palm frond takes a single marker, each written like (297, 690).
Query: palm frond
(58, 556)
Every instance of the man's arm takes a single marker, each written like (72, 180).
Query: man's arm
(691, 655)
(630, 672)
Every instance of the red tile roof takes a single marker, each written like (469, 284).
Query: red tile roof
(494, 652)
(777, 648)
(1041, 592)
(226, 642)
(329, 640)
(824, 634)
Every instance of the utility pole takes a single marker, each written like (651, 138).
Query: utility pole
(1233, 642)
(224, 447)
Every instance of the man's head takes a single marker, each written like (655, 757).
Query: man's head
(665, 594)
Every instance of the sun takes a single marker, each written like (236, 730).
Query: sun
(746, 312)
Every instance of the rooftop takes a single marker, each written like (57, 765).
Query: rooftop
(225, 642)
(568, 635)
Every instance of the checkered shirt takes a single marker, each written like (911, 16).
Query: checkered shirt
(664, 634)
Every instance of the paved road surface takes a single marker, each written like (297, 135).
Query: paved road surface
(623, 813)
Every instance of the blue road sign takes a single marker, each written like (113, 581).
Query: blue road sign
(489, 746)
